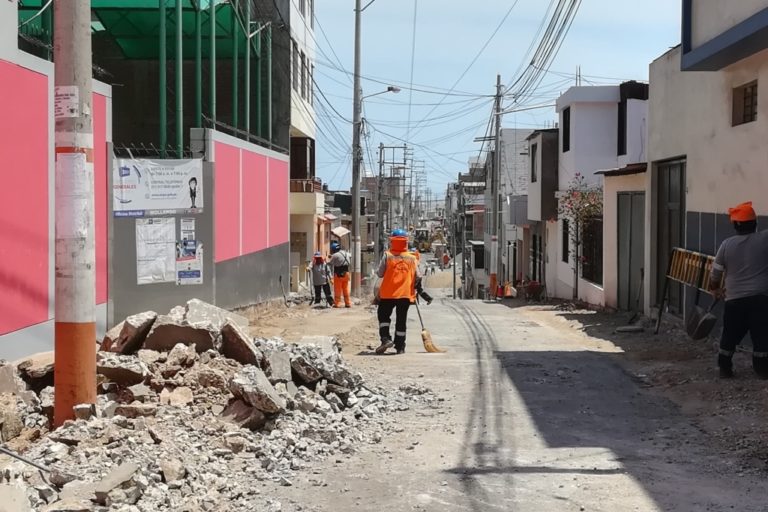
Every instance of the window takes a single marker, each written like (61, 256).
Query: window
(622, 142)
(303, 7)
(566, 242)
(303, 76)
(745, 104)
(567, 130)
(592, 251)
(312, 85)
(295, 62)
(311, 13)
(534, 163)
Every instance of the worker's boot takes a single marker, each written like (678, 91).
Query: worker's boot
(386, 344)
(725, 364)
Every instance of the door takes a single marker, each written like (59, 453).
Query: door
(671, 226)
(631, 240)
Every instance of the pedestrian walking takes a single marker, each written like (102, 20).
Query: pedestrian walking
(398, 271)
(744, 261)
(321, 277)
(339, 262)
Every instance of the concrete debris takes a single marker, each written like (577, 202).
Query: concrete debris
(37, 370)
(128, 336)
(278, 366)
(180, 427)
(121, 369)
(169, 330)
(11, 414)
(202, 314)
(237, 345)
(13, 499)
(252, 387)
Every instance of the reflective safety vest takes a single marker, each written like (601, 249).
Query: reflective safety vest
(399, 281)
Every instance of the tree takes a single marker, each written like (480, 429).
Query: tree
(580, 204)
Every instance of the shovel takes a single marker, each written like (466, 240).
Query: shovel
(701, 322)
(426, 336)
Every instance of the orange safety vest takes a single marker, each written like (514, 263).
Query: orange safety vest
(399, 281)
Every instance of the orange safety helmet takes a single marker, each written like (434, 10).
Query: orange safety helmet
(742, 213)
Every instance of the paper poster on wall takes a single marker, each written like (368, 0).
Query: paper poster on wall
(155, 250)
(141, 186)
(187, 229)
(189, 262)
(66, 101)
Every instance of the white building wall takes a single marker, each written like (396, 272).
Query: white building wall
(302, 33)
(637, 133)
(713, 17)
(594, 132)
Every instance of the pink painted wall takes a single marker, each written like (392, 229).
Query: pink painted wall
(252, 202)
(23, 198)
(255, 199)
(279, 205)
(227, 192)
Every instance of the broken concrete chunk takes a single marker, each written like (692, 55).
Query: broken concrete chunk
(237, 345)
(252, 386)
(306, 400)
(304, 371)
(326, 344)
(141, 392)
(128, 336)
(181, 355)
(124, 370)
(69, 505)
(135, 410)
(243, 415)
(202, 314)
(278, 366)
(149, 357)
(11, 423)
(9, 379)
(168, 331)
(84, 411)
(115, 479)
(13, 499)
(291, 388)
(181, 396)
(37, 370)
(172, 470)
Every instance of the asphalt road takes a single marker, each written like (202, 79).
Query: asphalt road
(536, 418)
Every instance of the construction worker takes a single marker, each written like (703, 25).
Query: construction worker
(419, 286)
(398, 271)
(339, 262)
(321, 276)
(744, 260)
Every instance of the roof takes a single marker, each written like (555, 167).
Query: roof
(543, 130)
(476, 242)
(625, 171)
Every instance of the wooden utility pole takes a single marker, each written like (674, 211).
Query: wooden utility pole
(75, 260)
(496, 175)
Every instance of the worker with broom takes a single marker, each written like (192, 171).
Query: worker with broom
(398, 271)
(744, 260)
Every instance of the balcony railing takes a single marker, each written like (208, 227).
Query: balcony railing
(308, 186)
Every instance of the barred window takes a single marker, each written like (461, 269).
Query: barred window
(592, 251)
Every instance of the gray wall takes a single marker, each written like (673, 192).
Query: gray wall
(125, 296)
(549, 174)
(252, 278)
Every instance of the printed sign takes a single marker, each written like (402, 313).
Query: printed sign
(66, 101)
(189, 262)
(140, 186)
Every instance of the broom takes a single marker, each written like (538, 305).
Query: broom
(426, 337)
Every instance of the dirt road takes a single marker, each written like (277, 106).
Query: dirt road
(536, 417)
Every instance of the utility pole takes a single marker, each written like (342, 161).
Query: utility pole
(379, 209)
(75, 260)
(356, 158)
(496, 174)
(462, 225)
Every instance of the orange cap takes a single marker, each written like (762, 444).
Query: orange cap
(742, 213)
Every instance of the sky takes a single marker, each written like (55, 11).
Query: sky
(610, 40)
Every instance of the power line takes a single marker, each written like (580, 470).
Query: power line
(413, 59)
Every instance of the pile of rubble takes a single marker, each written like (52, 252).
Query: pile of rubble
(191, 414)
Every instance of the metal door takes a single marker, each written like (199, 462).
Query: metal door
(671, 226)
(631, 241)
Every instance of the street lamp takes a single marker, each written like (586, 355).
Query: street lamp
(357, 158)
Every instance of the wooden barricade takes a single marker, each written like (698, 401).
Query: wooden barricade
(689, 268)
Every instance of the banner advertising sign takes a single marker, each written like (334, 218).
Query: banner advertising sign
(143, 187)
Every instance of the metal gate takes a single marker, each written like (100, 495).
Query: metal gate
(671, 226)
(631, 239)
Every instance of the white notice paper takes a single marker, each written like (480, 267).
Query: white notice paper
(155, 250)
(66, 101)
(188, 229)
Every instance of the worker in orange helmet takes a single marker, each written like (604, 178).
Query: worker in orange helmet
(398, 271)
(744, 261)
